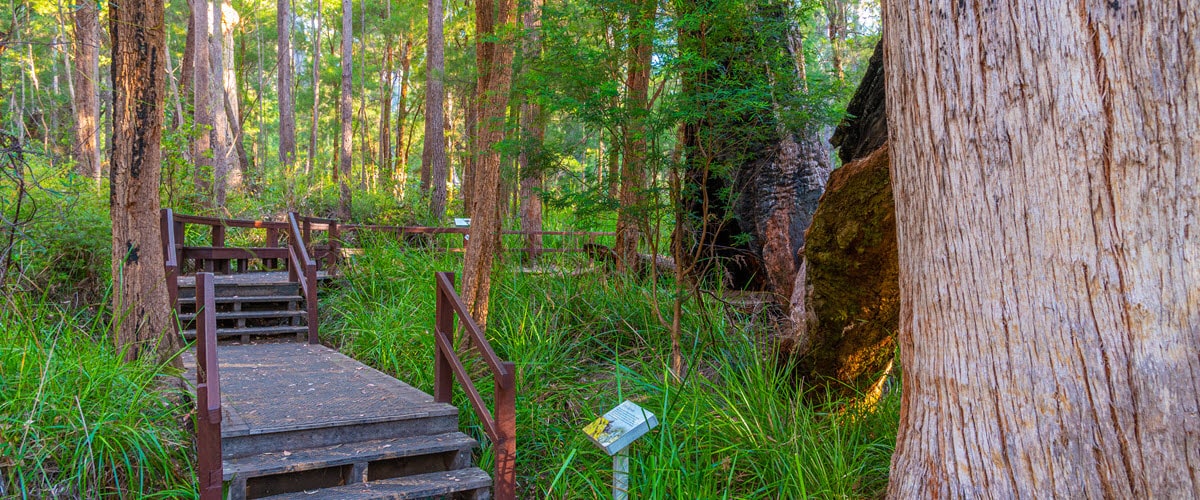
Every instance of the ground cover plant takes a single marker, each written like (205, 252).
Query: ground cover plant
(734, 427)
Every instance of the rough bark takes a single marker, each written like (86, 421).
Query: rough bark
(224, 175)
(203, 110)
(533, 130)
(630, 214)
(342, 172)
(845, 307)
(433, 155)
(84, 77)
(865, 129)
(495, 78)
(141, 315)
(232, 109)
(316, 84)
(1046, 171)
(287, 105)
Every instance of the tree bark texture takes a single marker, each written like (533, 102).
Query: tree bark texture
(846, 304)
(230, 19)
(631, 209)
(287, 109)
(495, 41)
(533, 128)
(84, 78)
(403, 141)
(1046, 170)
(347, 109)
(385, 110)
(141, 314)
(433, 154)
(316, 84)
(222, 144)
(203, 109)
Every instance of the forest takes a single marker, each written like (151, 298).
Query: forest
(420, 249)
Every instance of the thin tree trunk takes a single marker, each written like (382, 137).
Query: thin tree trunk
(287, 110)
(224, 176)
(232, 109)
(316, 85)
(141, 314)
(433, 156)
(835, 15)
(202, 111)
(633, 168)
(84, 78)
(494, 41)
(1046, 181)
(533, 129)
(342, 173)
(402, 112)
(385, 111)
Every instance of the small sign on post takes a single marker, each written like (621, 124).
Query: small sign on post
(614, 432)
(460, 222)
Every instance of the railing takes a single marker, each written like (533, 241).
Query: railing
(500, 426)
(218, 257)
(171, 246)
(208, 392)
(400, 231)
(303, 269)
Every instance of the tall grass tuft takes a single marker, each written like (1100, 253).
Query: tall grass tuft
(76, 421)
(735, 427)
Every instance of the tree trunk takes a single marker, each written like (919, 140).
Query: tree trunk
(865, 128)
(141, 314)
(633, 167)
(287, 109)
(433, 156)
(232, 109)
(385, 111)
(316, 85)
(494, 41)
(835, 15)
(1046, 179)
(342, 173)
(402, 112)
(87, 97)
(202, 111)
(224, 176)
(533, 128)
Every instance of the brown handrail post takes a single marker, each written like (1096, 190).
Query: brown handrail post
(303, 269)
(506, 426)
(272, 241)
(310, 304)
(444, 326)
(208, 392)
(218, 241)
(335, 247)
(166, 224)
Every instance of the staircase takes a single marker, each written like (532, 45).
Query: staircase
(249, 306)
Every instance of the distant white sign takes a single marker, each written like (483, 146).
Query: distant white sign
(462, 222)
(620, 427)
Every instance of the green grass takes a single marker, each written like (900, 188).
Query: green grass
(77, 422)
(735, 428)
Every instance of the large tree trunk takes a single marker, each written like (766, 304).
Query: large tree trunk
(287, 110)
(141, 314)
(630, 215)
(84, 78)
(1047, 173)
(224, 175)
(232, 109)
(845, 305)
(495, 43)
(433, 155)
(533, 130)
(342, 173)
(750, 171)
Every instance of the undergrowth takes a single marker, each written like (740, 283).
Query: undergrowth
(735, 427)
(76, 421)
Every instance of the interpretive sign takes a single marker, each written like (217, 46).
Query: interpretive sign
(462, 222)
(620, 426)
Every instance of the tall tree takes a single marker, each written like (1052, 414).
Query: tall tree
(202, 99)
(316, 85)
(633, 166)
(223, 157)
(403, 131)
(141, 315)
(230, 19)
(533, 131)
(84, 78)
(342, 172)
(1048, 315)
(835, 16)
(495, 24)
(433, 155)
(287, 105)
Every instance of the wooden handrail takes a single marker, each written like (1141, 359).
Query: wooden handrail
(166, 223)
(208, 392)
(500, 425)
(302, 268)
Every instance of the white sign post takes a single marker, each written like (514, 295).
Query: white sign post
(614, 432)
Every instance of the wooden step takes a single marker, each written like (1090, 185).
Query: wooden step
(365, 453)
(261, 330)
(247, 299)
(248, 315)
(434, 484)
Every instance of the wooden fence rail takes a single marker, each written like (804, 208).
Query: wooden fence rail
(208, 392)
